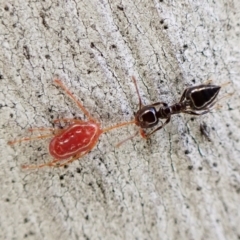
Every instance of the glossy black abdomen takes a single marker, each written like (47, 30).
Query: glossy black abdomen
(203, 95)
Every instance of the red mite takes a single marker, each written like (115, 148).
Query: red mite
(75, 140)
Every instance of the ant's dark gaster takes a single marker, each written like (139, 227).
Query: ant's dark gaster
(196, 100)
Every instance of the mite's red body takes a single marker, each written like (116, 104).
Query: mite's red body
(78, 138)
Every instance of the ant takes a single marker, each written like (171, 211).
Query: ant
(196, 100)
(74, 141)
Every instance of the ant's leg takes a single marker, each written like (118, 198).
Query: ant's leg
(225, 96)
(196, 113)
(85, 111)
(159, 103)
(160, 127)
(207, 82)
(183, 95)
(142, 133)
(210, 107)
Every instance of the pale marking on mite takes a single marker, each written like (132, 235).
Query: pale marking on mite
(79, 149)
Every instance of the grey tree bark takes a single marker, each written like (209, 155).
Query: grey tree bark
(178, 185)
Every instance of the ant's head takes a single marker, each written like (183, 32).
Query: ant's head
(146, 117)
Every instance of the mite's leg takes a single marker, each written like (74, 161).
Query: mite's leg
(30, 138)
(67, 91)
(48, 164)
(66, 120)
(69, 121)
(41, 129)
(77, 156)
(56, 162)
(125, 140)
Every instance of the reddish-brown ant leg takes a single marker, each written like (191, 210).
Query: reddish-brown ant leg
(142, 133)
